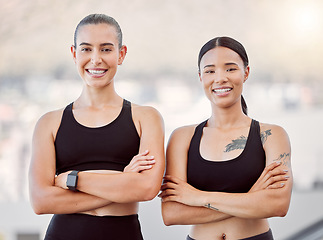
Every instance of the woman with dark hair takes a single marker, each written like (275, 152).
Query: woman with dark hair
(93, 161)
(228, 174)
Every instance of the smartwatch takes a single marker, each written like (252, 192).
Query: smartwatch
(71, 181)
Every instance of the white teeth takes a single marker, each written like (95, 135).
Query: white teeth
(222, 90)
(96, 71)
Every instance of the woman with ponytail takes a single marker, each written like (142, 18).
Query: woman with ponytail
(228, 174)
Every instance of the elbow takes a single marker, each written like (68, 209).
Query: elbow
(282, 210)
(170, 217)
(282, 213)
(150, 192)
(149, 189)
(39, 207)
(279, 205)
(283, 207)
(168, 221)
(40, 204)
(148, 197)
(38, 211)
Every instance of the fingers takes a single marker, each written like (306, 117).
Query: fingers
(276, 185)
(169, 178)
(277, 181)
(168, 185)
(269, 169)
(272, 177)
(277, 173)
(167, 192)
(140, 162)
(168, 188)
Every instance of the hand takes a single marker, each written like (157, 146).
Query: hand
(177, 190)
(60, 180)
(271, 178)
(140, 162)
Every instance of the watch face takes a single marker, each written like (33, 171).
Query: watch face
(71, 181)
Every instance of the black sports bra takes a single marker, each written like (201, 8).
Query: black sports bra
(110, 147)
(234, 176)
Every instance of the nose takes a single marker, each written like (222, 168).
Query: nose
(96, 58)
(220, 77)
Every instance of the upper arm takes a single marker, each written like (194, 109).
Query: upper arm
(43, 151)
(42, 166)
(176, 164)
(277, 148)
(152, 139)
(177, 152)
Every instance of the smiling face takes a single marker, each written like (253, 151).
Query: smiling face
(97, 55)
(222, 74)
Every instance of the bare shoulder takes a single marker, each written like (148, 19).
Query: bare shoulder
(181, 137)
(52, 116)
(177, 151)
(266, 126)
(271, 130)
(49, 122)
(184, 132)
(275, 141)
(141, 113)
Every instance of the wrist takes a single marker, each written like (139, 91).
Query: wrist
(208, 201)
(72, 180)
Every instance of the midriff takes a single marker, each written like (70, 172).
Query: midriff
(230, 229)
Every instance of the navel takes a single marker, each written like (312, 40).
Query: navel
(224, 236)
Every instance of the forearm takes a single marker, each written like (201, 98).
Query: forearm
(121, 187)
(55, 200)
(179, 214)
(261, 204)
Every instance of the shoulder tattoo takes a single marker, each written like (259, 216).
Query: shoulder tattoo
(240, 142)
(264, 135)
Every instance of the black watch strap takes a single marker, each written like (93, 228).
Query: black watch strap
(71, 181)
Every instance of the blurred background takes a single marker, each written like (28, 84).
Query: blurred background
(283, 39)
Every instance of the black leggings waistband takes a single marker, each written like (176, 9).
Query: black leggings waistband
(85, 227)
(263, 236)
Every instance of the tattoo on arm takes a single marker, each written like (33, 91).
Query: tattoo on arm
(239, 143)
(264, 135)
(208, 205)
(284, 158)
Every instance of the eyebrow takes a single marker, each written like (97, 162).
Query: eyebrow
(211, 65)
(101, 45)
(226, 64)
(230, 63)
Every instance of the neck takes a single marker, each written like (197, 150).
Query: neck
(98, 97)
(228, 117)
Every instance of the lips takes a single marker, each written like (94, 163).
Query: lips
(222, 91)
(97, 72)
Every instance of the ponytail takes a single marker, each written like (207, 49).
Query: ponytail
(244, 105)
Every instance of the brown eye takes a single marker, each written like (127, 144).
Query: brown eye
(85, 50)
(106, 50)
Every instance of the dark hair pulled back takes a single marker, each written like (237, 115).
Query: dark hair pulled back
(98, 19)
